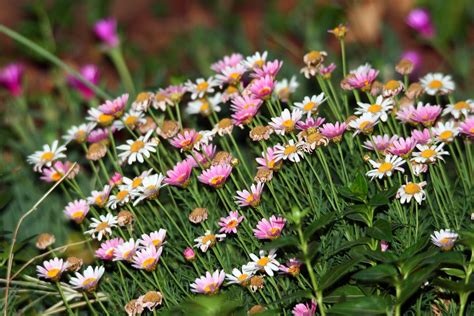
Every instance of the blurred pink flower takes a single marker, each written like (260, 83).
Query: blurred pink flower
(90, 73)
(106, 31)
(420, 20)
(10, 78)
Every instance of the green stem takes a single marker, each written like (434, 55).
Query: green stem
(64, 299)
(119, 62)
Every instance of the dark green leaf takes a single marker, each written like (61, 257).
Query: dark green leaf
(333, 275)
(343, 293)
(281, 242)
(382, 230)
(378, 200)
(359, 187)
(319, 223)
(368, 305)
(380, 272)
(348, 245)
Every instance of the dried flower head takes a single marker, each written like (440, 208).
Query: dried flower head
(73, 264)
(124, 218)
(221, 158)
(168, 129)
(198, 215)
(405, 67)
(339, 31)
(45, 240)
(96, 151)
(263, 175)
(261, 132)
(256, 282)
(134, 307)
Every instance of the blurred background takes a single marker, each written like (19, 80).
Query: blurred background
(169, 41)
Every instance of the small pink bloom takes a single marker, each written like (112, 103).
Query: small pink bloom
(333, 131)
(380, 143)
(230, 223)
(467, 127)
(271, 68)
(107, 248)
(98, 135)
(252, 198)
(57, 171)
(421, 137)
(326, 71)
(147, 258)
(384, 246)
(244, 108)
(179, 175)
(292, 267)
(262, 88)
(215, 176)
(116, 179)
(269, 229)
(126, 250)
(185, 140)
(310, 123)
(268, 159)
(426, 114)
(155, 239)
(10, 78)
(420, 20)
(189, 254)
(228, 61)
(362, 77)
(106, 31)
(77, 210)
(204, 157)
(305, 309)
(405, 114)
(91, 74)
(115, 107)
(52, 269)
(208, 284)
(402, 147)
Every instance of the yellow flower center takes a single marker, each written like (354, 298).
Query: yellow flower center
(313, 55)
(259, 63)
(100, 200)
(47, 156)
(412, 188)
(160, 97)
(392, 85)
(231, 90)
(148, 262)
(289, 150)
(141, 97)
(263, 261)
(385, 167)
(204, 106)
(250, 198)
(77, 214)
(53, 273)
(374, 108)
(461, 105)
(110, 252)
(265, 91)
(136, 146)
(435, 84)
(210, 288)
(56, 176)
(136, 182)
(274, 231)
(242, 277)
(122, 195)
(156, 242)
(428, 153)
(235, 76)
(209, 238)
(232, 223)
(446, 135)
(309, 106)
(102, 226)
(471, 130)
(87, 282)
(217, 180)
(126, 254)
(80, 136)
(131, 120)
(365, 125)
(202, 86)
(288, 124)
(105, 119)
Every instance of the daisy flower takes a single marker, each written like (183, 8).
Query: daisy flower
(114, 107)
(185, 140)
(269, 159)
(267, 263)
(99, 198)
(52, 269)
(437, 83)
(46, 156)
(201, 87)
(230, 223)
(132, 119)
(135, 150)
(262, 88)
(380, 143)
(308, 309)
(379, 109)
(126, 250)
(429, 153)
(385, 168)
(150, 188)
(411, 190)
(205, 106)
(333, 131)
(291, 151)
(326, 71)
(467, 127)
(392, 88)
(79, 133)
(364, 124)
(292, 267)
(310, 105)
(270, 68)
(237, 277)
(99, 134)
(227, 61)
(77, 210)
(257, 60)
(107, 248)
(135, 183)
(208, 284)
(461, 108)
(422, 137)
(311, 124)
(147, 258)
(224, 127)
(142, 102)
(444, 239)
(180, 174)
(156, 238)
(58, 170)
(88, 280)
(102, 226)
(123, 196)
(252, 198)
(208, 240)
(445, 132)
(362, 77)
(285, 88)
(286, 122)
(425, 114)
(215, 176)
(161, 100)
(404, 114)
(202, 157)
(269, 228)
(98, 117)
(402, 146)
(244, 108)
(230, 75)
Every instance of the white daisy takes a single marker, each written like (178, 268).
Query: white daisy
(445, 132)
(285, 88)
(411, 190)
(89, 279)
(96, 116)
(156, 238)
(99, 198)
(131, 119)
(461, 108)
(135, 149)
(291, 151)
(123, 196)
(230, 75)
(286, 122)
(238, 277)
(265, 262)
(429, 153)
(134, 183)
(102, 226)
(257, 60)
(208, 240)
(385, 168)
(201, 87)
(150, 188)
(364, 123)
(379, 109)
(205, 106)
(79, 133)
(161, 100)
(142, 102)
(437, 83)
(46, 156)
(310, 105)
(444, 239)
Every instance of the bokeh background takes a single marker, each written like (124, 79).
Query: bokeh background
(169, 41)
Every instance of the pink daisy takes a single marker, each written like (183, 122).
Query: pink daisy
(179, 175)
(310, 123)
(215, 176)
(204, 157)
(421, 137)
(185, 140)
(77, 210)
(326, 71)
(147, 258)
(380, 142)
(269, 229)
(155, 239)
(292, 267)
(270, 68)
(107, 248)
(362, 77)
(106, 31)
(405, 114)
(426, 114)
(262, 88)
(126, 250)
(269, 159)
(286, 122)
(227, 61)
(115, 107)
(116, 179)
(308, 309)
(252, 198)
(244, 108)
(333, 131)
(57, 171)
(467, 127)
(98, 135)
(52, 269)
(230, 223)
(402, 147)
(208, 284)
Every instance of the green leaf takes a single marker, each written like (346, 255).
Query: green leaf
(343, 293)
(382, 230)
(336, 273)
(347, 193)
(380, 272)
(319, 223)
(454, 272)
(349, 245)
(368, 305)
(281, 242)
(378, 200)
(412, 284)
(359, 187)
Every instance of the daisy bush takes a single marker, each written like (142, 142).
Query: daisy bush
(355, 199)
